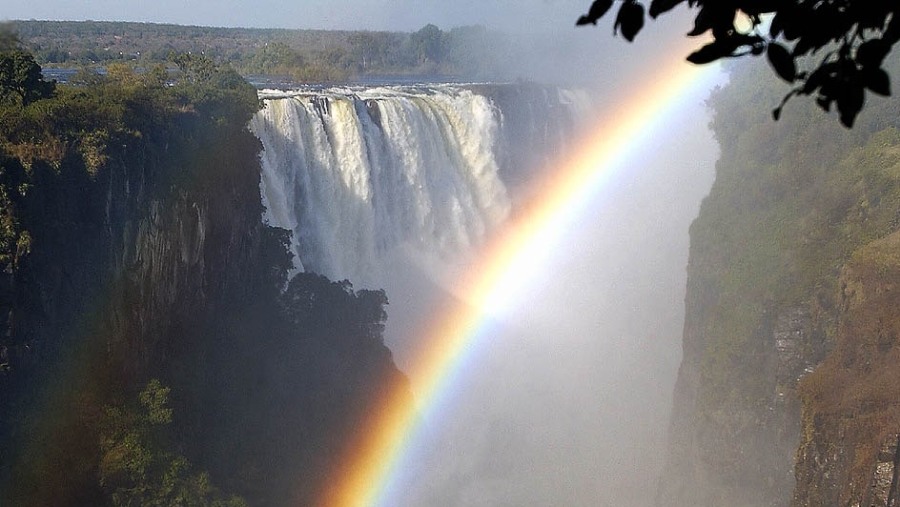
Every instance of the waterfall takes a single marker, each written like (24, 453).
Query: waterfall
(362, 175)
(568, 400)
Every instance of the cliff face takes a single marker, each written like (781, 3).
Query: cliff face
(119, 257)
(783, 290)
(135, 250)
(848, 449)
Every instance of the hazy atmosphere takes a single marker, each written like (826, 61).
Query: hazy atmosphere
(548, 46)
(405, 15)
(416, 253)
(568, 403)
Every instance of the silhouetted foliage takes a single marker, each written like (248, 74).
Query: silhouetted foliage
(833, 49)
(21, 79)
(315, 302)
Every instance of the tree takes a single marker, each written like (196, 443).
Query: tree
(428, 43)
(195, 68)
(136, 467)
(831, 48)
(21, 79)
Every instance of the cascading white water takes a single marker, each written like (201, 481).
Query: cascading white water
(358, 175)
(388, 186)
(393, 187)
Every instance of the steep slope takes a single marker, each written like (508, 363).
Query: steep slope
(848, 451)
(765, 303)
(133, 249)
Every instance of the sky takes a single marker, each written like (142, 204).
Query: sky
(403, 15)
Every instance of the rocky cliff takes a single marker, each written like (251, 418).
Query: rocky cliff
(785, 395)
(133, 249)
(851, 402)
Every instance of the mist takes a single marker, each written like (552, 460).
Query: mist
(568, 403)
(533, 40)
(568, 400)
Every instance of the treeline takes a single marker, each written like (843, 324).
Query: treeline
(152, 349)
(471, 52)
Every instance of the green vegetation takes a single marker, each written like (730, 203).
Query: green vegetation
(58, 148)
(119, 106)
(20, 78)
(795, 202)
(791, 202)
(135, 467)
(132, 248)
(301, 55)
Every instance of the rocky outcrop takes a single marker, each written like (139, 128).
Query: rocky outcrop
(851, 403)
(790, 310)
(756, 466)
(127, 264)
(155, 263)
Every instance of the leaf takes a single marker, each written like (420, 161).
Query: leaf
(849, 103)
(892, 33)
(872, 52)
(658, 7)
(703, 22)
(630, 19)
(870, 15)
(782, 61)
(790, 21)
(710, 53)
(878, 81)
(737, 39)
(598, 10)
(818, 78)
(776, 113)
(775, 27)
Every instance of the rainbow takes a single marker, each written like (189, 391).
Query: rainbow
(561, 198)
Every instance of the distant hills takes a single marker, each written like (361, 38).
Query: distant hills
(473, 53)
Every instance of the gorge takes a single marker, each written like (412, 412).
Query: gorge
(167, 331)
(181, 296)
